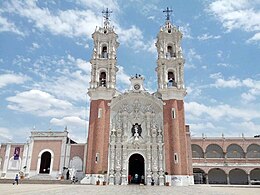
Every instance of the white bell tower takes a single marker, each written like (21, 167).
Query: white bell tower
(103, 62)
(101, 91)
(170, 63)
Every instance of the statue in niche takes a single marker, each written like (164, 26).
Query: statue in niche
(136, 131)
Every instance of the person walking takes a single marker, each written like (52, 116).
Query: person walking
(16, 179)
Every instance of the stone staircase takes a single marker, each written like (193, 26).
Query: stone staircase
(36, 181)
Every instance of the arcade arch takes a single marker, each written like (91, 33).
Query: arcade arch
(217, 176)
(235, 151)
(214, 151)
(253, 151)
(238, 176)
(197, 151)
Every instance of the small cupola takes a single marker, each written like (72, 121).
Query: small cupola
(137, 83)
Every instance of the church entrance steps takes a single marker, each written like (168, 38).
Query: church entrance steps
(38, 181)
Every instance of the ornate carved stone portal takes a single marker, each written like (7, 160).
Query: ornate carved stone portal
(136, 128)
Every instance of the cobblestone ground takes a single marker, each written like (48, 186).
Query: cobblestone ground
(46, 189)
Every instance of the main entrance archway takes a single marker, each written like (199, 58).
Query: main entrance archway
(136, 169)
(45, 163)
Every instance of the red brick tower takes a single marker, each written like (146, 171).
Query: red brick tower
(170, 72)
(101, 91)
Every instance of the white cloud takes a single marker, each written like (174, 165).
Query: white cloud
(219, 54)
(215, 75)
(122, 78)
(193, 91)
(220, 82)
(99, 4)
(224, 65)
(247, 126)
(20, 60)
(132, 37)
(252, 85)
(248, 97)
(35, 45)
(7, 79)
(7, 26)
(193, 55)
(68, 22)
(254, 89)
(255, 38)
(202, 126)
(68, 121)
(77, 23)
(81, 64)
(5, 134)
(207, 36)
(231, 83)
(185, 29)
(70, 81)
(220, 111)
(151, 47)
(241, 14)
(40, 103)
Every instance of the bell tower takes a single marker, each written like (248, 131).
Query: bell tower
(170, 75)
(101, 91)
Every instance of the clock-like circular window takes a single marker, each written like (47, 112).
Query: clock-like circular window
(136, 86)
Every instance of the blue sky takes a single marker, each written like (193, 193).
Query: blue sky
(46, 46)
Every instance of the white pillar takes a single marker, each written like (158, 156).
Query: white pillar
(6, 159)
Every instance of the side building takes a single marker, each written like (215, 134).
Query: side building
(46, 156)
(223, 160)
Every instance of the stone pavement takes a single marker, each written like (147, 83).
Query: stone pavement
(57, 189)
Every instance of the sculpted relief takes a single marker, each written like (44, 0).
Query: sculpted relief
(136, 118)
(136, 127)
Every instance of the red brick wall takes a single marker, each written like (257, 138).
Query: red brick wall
(77, 150)
(98, 137)
(175, 138)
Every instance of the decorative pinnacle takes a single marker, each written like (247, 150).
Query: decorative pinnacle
(168, 13)
(106, 13)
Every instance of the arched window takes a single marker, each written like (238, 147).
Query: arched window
(171, 79)
(253, 151)
(104, 52)
(197, 151)
(214, 151)
(235, 151)
(170, 52)
(102, 79)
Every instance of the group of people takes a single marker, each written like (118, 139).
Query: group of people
(136, 179)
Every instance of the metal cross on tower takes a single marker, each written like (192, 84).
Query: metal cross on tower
(168, 13)
(106, 13)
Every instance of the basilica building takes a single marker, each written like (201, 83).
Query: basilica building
(135, 136)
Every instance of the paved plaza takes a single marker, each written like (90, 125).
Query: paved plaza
(54, 189)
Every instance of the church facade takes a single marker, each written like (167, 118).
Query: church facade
(138, 134)
(135, 136)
